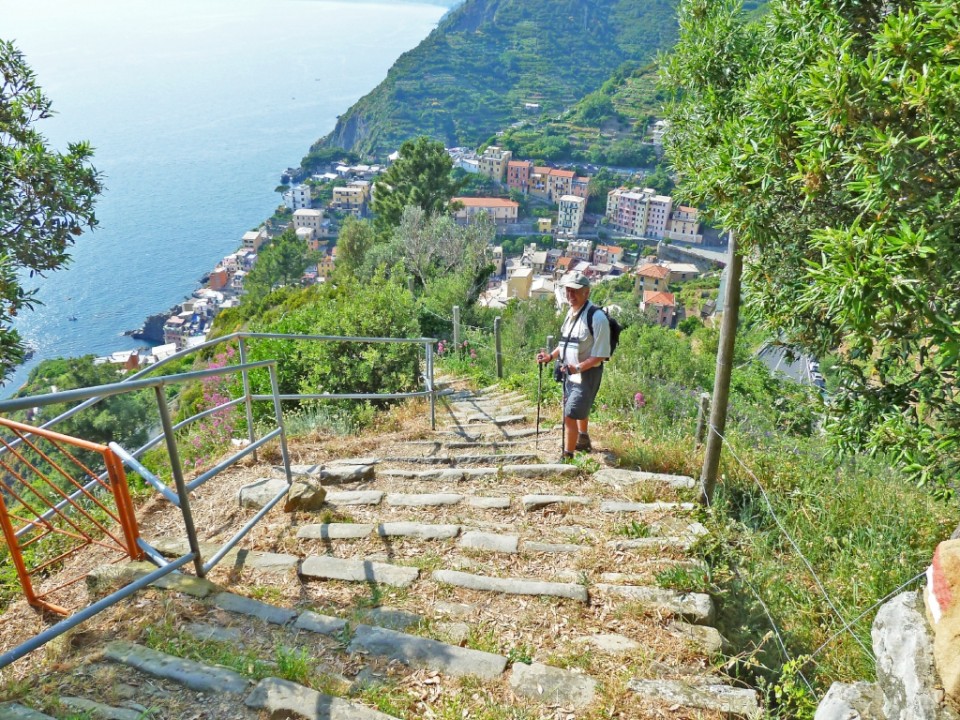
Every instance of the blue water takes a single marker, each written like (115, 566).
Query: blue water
(194, 107)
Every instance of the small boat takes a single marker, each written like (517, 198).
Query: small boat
(72, 318)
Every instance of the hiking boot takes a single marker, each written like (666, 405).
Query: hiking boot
(583, 442)
(565, 457)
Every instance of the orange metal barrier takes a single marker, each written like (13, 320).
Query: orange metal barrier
(47, 492)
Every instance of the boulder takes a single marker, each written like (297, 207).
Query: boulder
(306, 495)
(855, 701)
(258, 493)
(903, 645)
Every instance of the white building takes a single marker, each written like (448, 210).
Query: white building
(297, 197)
(571, 210)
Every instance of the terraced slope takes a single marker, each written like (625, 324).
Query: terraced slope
(449, 574)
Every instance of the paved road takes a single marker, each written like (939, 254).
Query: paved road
(798, 369)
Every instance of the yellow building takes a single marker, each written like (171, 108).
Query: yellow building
(493, 163)
(501, 211)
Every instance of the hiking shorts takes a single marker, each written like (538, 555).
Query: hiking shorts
(579, 396)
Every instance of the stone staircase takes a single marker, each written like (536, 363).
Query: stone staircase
(452, 576)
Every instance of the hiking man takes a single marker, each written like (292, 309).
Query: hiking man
(581, 354)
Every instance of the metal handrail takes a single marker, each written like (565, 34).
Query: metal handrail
(91, 396)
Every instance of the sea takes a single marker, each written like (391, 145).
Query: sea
(194, 108)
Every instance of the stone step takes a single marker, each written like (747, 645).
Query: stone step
(511, 586)
(617, 506)
(552, 686)
(617, 478)
(695, 607)
(16, 711)
(485, 459)
(317, 567)
(426, 653)
(280, 698)
(189, 673)
(538, 502)
(716, 697)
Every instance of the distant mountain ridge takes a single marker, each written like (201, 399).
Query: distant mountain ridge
(488, 60)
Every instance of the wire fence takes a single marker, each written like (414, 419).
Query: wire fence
(481, 340)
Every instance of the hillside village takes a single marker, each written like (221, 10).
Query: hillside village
(623, 241)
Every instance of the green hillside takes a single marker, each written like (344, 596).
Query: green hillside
(605, 127)
(488, 58)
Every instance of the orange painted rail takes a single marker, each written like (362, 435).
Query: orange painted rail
(53, 505)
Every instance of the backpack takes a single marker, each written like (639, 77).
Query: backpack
(615, 327)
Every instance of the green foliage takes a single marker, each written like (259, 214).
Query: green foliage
(826, 135)
(472, 76)
(420, 177)
(46, 197)
(375, 308)
(354, 242)
(122, 419)
(281, 262)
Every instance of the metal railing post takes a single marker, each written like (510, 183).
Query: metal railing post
(247, 397)
(177, 471)
(278, 412)
(456, 327)
(433, 390)
(496, 337)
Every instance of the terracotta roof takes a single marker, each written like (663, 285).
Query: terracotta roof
(612, 249)
(562, 173)
(659, 298)
(564, 261)
(485, 202)
(519, 163)
(654, 271)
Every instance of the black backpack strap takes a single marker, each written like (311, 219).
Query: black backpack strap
(593, 311)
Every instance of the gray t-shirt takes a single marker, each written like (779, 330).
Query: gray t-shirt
(582, 344)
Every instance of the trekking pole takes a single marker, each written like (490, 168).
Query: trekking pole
(563, 419)
(539, 390)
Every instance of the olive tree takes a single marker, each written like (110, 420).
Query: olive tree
(827, 135)
(46, 197)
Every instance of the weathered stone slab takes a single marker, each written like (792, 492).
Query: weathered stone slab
(257, 494)
(539, 547)
(511, 586)
(490, 541)
(331, 568)
(338, 473)
(695, 607)
(454, 632)
(418, 530)
(254, 608)
(16, 711)
(541, 471)
(610, 643)
(392, 618)
(427, 653)
(320, 624)
(110, 577)
(480, 472)
(855, 701)
(718, 697)
(237, 558)
(538, 502)
(203, 631)
(423, 499)
(194, 675)
(652, 543)
(489, 503)
(306, 495)
(441, 474)
(705, 638)
(624, 478)
(334, 531)
(552, 685)
(281, 697)
(615, 506)
(95, 709)
(354, 497)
